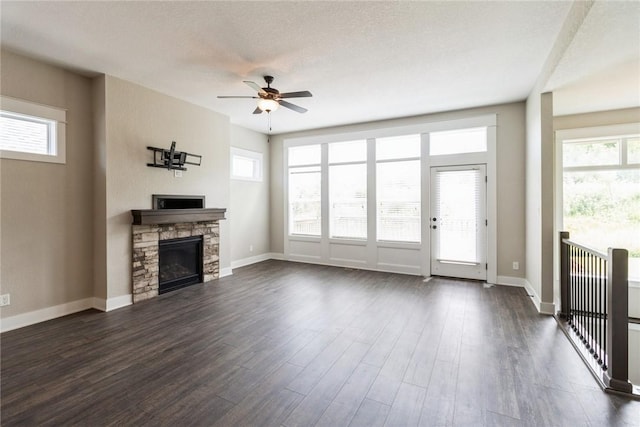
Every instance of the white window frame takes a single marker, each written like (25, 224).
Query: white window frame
(328, 201)
(577, 134)
(395, 160)
(320, 249)
(250, 155)
(57, 139)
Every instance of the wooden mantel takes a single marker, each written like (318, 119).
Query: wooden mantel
(175, 216)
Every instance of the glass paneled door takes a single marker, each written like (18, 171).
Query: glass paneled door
(458, 221)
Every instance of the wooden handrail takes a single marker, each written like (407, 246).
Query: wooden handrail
(592, 251)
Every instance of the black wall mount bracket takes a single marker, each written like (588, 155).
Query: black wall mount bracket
(171, 159)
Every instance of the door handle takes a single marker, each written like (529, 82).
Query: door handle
(433, 219)
(434, 226)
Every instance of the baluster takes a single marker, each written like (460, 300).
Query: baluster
(572, 284)
(587, 289)
(598, 298)
(578, 294)
(576, 288)
(579, 288)
(582, 296)
(585, 310)
(592, 316)
(571, 291)
(605, 315)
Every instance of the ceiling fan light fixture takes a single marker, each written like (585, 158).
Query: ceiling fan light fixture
(268, 105)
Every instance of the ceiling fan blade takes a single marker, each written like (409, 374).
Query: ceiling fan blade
(252, 97)
(301, 94)
(293, 107)
(257, 111)
(255, 86)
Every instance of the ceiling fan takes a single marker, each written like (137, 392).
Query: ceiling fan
(269, 99)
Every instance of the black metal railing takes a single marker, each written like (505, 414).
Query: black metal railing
(595, 304)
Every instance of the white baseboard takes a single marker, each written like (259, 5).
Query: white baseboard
(357, 267)
(535, 299)
(547, 308)
(250, 260)
(277, 255)
(112, 303)
(227, 271)
(44, 314)
(511, 281)
(119, 302)
(255, 259)
(542, 307)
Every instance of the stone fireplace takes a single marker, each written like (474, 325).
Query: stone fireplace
(152, 228)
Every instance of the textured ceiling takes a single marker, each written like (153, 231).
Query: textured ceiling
(601, 68)
(362, 61)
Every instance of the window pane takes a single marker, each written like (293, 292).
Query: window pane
(602, 210)
(633, 150)
(243, 167)
(304, 155)
(304, 201)
(398, 199)
(458, 199)
(348, 201)
(398, 147)
(352, 151)
(458, 141)
(590, 153)
(18, 133)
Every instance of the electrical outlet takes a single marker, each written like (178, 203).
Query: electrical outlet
(250, 248)
(177, 173)
(5, 300)
(516, 265)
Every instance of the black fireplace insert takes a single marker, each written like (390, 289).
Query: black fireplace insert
(180, 263)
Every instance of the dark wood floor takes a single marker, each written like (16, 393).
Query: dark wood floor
(299, 345)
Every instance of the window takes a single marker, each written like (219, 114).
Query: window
(348, 189)
(398, 188)
(246, 165)
(601, 194)
(458, 141)
(591, 153)
(633, 150)
(305, 182)
(458, 196)
(30, 131)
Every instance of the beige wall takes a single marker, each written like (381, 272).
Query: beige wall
(46, 221)
(510, 170)
(249, 211)
(539, 200)
(99, 189)
(533, 157)
(137, 117)
(599, 118)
